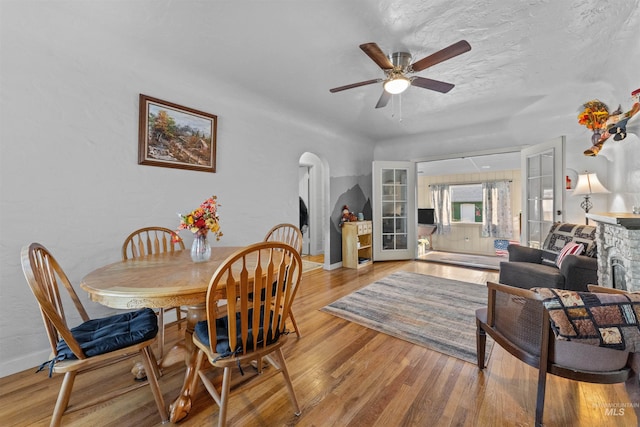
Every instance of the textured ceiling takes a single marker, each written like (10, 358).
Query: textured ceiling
(532, 63)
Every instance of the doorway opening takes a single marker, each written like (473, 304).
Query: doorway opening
(313, 189)
(464, 242)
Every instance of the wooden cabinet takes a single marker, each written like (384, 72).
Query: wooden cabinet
(357, 244)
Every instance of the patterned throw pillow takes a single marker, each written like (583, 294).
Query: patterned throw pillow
(569, 249)
(562, 233)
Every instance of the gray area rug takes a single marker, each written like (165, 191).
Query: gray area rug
(467, 260)
(429, 311)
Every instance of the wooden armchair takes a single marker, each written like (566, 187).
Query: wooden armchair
(148, 241)
(250, 329)
(94, 343)
(291, 235)
(517, 321)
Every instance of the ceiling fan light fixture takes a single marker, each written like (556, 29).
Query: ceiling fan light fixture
(396, 85)
(398, 65)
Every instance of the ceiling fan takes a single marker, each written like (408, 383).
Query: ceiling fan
(398, 65)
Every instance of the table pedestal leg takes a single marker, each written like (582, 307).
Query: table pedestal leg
(180, 408)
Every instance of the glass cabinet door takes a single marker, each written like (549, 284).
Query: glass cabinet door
(393, 210)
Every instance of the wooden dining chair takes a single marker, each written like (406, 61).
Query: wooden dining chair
(148, 241)
(291, 235)
(247, 329)
(93, 344)
(286, 233)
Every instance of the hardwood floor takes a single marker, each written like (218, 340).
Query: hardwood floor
(345, 375)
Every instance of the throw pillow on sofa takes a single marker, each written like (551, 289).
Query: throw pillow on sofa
(562, 233)
(569, 249)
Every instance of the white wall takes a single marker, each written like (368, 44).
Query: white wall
(624, 173)
(576, 160)
(69, 177)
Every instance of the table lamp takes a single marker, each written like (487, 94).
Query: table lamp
(588, 184)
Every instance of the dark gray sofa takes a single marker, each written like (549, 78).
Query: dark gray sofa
(529, 267)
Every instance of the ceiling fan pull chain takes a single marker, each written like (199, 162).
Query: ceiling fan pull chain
(393, 107)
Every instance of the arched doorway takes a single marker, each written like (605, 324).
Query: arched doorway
(313, 191)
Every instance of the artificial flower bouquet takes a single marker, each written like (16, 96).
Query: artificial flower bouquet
(203, 219)
(594, 115)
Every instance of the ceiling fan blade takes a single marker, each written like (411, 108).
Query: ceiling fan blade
(436, 85)
(384, 99)
(374, 52)
(442, 55)
(352, 85)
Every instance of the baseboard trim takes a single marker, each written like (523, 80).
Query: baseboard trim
(24, 362)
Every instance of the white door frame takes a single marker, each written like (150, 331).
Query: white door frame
(304, 188)
(319, 232)
(555, 148)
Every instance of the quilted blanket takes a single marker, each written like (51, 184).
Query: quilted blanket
(602, 319)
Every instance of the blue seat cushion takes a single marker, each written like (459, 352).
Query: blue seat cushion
(100, 336)
(222, 335)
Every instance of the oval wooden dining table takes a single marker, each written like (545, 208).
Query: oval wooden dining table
(156, 281)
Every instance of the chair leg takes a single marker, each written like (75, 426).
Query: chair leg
(178, 316)
(481, 343)
(295, 324)
(198, 366)
(160, 333)
(546, 341)
(63, 398)
(149, 362)
(542, 384)
(258, 364)
(224, 397)
(154, 363)
(285, 372)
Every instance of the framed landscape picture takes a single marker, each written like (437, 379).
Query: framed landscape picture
(174, 136)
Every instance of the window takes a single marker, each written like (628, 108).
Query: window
(466, 203)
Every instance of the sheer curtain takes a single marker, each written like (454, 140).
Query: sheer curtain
(441, 202)
(496, 209)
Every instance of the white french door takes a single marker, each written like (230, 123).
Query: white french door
(394, 210)
(542, 190)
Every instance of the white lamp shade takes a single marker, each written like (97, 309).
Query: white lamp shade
(588, 183)
(397, 85)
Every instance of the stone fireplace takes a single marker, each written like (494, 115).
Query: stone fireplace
(618, 240)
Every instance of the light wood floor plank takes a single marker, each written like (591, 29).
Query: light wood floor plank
(345, 375)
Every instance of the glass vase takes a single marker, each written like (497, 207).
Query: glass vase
(200, 249)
